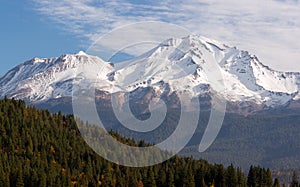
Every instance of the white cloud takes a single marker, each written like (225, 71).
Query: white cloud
(269, 29)
(135, 38)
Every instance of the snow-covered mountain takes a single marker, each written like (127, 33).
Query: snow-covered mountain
(195, 65)
(41, 79)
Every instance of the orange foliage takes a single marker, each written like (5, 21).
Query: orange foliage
(73, 183)
(140, 184)
(63, 170)
(52, 150)
(81, 175)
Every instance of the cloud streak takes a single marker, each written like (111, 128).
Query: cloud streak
(270, 29)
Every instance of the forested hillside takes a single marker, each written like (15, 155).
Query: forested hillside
(42, 149)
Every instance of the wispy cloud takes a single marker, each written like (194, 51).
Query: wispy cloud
(270, 29)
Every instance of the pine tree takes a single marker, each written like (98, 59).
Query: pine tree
(199, 177)
(161, 178)
(150, 179)
(203, 184)
(220, 176)
(241, 181)
(20, 180)
(231, 177)
(276, 183)
(295, 181)
(2, 174)
(268, 178)
(43, 180)
(251, 179)
(170, 178)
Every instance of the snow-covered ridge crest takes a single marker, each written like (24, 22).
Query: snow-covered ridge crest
(40, 79)
(245, 77)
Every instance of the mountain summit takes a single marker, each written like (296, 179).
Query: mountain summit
(193, 64)
(41, 79)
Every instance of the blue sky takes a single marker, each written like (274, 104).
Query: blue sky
(269, 29)
(26, 34)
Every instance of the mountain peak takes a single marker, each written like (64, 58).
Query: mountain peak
(81, 53)
(181, 63)
(193, 40)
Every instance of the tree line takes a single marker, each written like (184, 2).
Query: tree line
(38, 148)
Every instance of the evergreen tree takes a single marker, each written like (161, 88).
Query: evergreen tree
(2, 175)
(149, 181)
(170, 179)
(241, 181)
(19, 179)
(220, 176)
(268, 180)
(295, 182)
(161, 178)
(276, 183)
(251, 179)
(231, 177)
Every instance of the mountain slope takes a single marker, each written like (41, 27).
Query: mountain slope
(193, 65)
(187, 65)
(38, 80)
